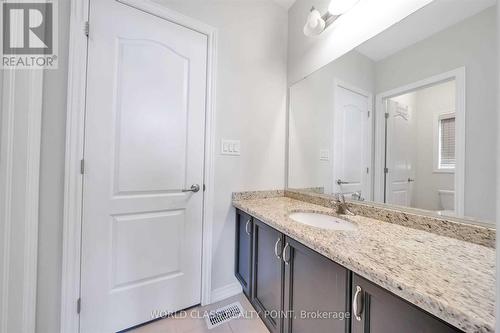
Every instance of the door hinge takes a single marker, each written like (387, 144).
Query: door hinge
(367, 170)
(386, 170)
(78, 305)
(86, 28)
(82, 166)
(368, 114)
(387, 116)
(204, 187)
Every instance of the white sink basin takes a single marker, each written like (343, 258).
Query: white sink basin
(322, 221)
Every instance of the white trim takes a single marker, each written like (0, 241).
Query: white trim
(20, 172)
(74, 153)
(225, 292)
(460, 108)
(73, 181)
(368, 158)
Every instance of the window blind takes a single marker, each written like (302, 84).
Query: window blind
(447, 143)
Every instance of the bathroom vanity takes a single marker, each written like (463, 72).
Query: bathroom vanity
(377, 277)
(386, 125)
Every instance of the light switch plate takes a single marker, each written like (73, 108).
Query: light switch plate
(324, 154)
(230, 147)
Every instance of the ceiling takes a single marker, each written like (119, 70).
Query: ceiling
(435, 17)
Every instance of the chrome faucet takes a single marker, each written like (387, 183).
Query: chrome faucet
(342, 208)
(357, 196)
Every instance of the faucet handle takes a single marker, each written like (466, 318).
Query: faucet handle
(340, 198)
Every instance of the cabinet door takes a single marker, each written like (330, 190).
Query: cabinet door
(382, 312)
(316, 292)
(267, 289)
(243, 255)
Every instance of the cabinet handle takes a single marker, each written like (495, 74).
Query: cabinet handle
(246, 228)
(284, 254)
(357, 299)
(276, 252)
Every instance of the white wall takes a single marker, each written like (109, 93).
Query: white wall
(452, 48)
(251, 98)
(311, 118)
(306, 54)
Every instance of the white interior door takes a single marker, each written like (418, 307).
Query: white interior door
(400, 151)
(352, 144)
(144, 139)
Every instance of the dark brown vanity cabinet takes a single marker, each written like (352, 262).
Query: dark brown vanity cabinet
(268, 270)
(290, 292)
(376, 310)
(297, 290)
(243, 257)
(316, 291)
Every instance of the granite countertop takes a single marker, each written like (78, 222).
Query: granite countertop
(452, 279)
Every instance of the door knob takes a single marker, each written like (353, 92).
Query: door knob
(194, 188)
(341, 182)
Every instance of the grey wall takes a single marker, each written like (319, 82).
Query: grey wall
(251, 100)
(450, 49)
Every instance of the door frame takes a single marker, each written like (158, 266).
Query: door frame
(459, 75)
(337, 83)
(75, 130)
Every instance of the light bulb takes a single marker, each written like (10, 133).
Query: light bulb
(339, 7)
(314, 24)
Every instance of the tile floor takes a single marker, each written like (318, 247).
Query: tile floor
(249, 324)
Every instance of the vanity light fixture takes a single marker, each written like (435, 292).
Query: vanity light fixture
(317, 23)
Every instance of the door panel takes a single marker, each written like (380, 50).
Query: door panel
(400, 152)
(151, 144)
(383, 312)
(138, 236)
(267, 291)
(144, 139)
(352, 147)
(314, 283)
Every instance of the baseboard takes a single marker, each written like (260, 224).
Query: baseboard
(227, 291)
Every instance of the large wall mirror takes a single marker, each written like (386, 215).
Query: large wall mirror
(409, 118)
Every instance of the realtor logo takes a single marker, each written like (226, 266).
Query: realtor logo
(29, 34)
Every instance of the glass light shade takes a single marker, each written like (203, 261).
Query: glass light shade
(339, 7)
(314, 24)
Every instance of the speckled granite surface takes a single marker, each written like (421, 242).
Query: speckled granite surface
(441, 226)
(450, 278)
(257, 194)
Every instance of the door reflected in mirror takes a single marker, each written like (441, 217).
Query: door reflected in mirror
(409, 118)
